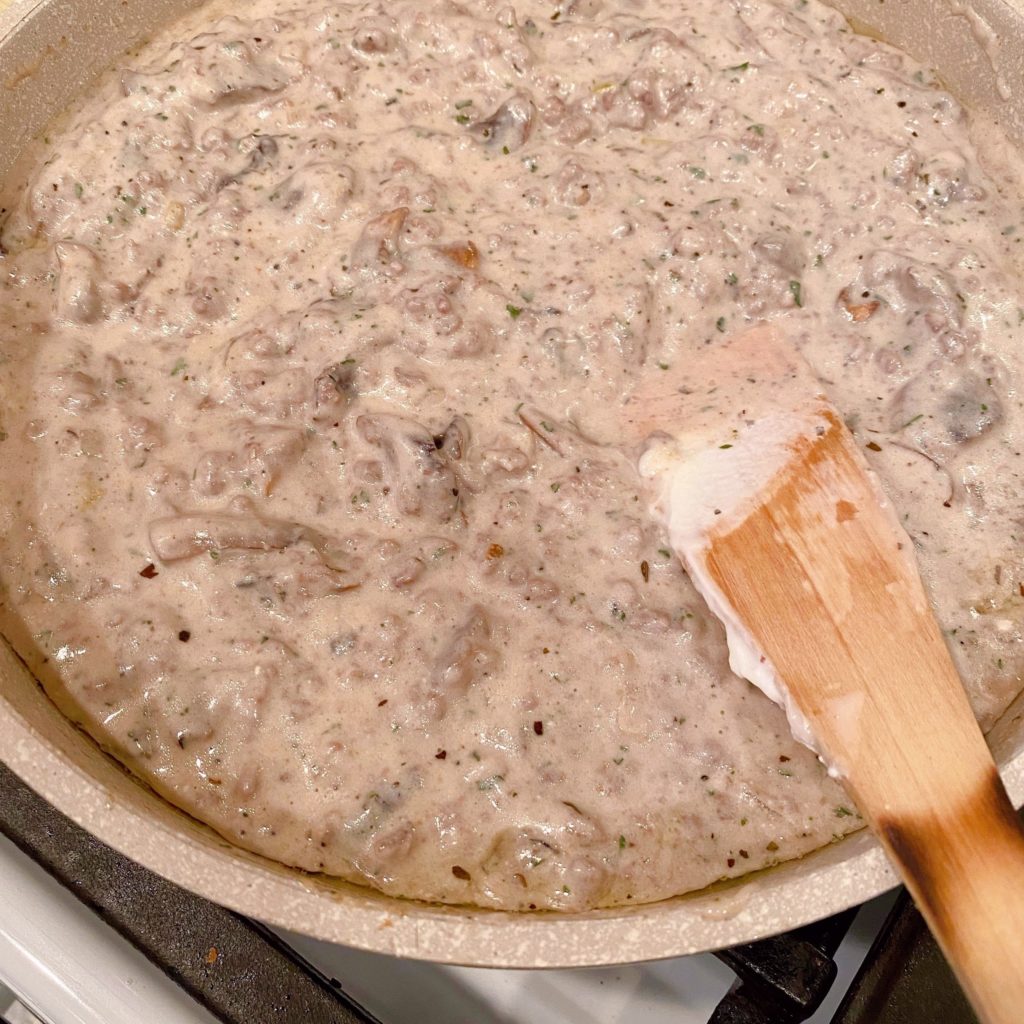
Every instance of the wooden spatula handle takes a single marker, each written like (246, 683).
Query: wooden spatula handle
(830, 593)
(966, 873)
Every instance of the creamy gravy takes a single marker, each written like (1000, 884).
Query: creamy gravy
(316, 326)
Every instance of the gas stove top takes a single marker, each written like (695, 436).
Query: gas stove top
(87, 936)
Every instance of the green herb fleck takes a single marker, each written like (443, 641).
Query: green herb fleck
(178, 367)
(843, 812)
(622, 842)
(720, 324)
(513, 311)
(796, 291)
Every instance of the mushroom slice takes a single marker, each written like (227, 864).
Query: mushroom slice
(454, 442)
(469, 656)
(378, 245)
(178, 537)
(509, 126)
(334, 388)
(418, 474)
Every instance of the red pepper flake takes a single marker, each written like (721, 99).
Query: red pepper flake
(495, 551)
(211, 956)
(461, 873)
(772, 846)
(441, 755)
(184, 636)
(538, 728)
(731, 862)
(744, 854)
(783, 758)
(381, 703)
(149, 572)
(645, 570)
(873, 447)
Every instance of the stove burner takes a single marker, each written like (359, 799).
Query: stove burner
(782, 979)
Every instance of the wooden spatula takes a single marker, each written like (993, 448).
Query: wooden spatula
(780, 523)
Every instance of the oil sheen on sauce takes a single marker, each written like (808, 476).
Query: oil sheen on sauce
(316, 325)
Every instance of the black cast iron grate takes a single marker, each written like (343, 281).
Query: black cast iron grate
(244, 974)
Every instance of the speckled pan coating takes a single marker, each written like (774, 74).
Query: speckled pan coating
(49, 49)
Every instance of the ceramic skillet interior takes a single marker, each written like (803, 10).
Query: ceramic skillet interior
(49, 50)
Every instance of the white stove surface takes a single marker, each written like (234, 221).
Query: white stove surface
(63, 963)
(681, 991)
(69, 967)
